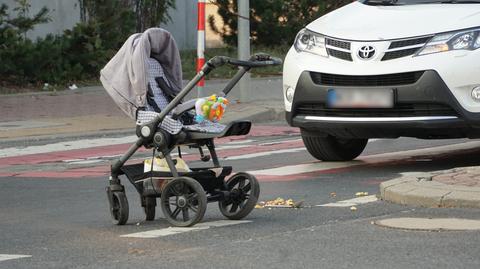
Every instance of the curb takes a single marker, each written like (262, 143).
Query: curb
(418, 189)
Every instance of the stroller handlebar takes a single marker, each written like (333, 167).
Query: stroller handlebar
(257, 60)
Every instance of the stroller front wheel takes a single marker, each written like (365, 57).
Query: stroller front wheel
(244, 191)
(119, 208)
(183, 202)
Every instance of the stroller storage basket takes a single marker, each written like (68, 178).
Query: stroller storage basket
(210, 177)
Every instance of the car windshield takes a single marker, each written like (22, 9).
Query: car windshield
(416, 2)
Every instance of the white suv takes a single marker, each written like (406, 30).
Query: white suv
(385, 69)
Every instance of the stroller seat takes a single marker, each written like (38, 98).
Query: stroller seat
(160, 93)
(199, 131)
(234, 128)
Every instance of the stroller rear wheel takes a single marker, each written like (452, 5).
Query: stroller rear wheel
(119, 208)
(183, 202)
(244, 191)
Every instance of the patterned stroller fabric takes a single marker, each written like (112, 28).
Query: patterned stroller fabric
(155, 70)
(157, 101)
(168, 124)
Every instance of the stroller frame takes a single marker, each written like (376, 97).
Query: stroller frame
(188, 193)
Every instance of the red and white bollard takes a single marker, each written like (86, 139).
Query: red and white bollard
(201, 44)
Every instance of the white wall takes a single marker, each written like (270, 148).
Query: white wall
(183, 25)
(66, 13)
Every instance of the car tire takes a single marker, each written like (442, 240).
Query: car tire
(333, 149)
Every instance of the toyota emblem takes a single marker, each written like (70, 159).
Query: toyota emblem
(366, 52)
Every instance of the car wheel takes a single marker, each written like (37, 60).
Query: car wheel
(332, 148)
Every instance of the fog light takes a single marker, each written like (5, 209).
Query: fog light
(476, 94)
(290, 93)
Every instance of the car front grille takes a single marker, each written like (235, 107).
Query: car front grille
(400, 110)
(366, 81)
(399, 54)
(404, 48)
(340, 54)
(339, 49)
(409, 42)
(342, 49)
(338, 43)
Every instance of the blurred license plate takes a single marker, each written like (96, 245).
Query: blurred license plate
(368, 98)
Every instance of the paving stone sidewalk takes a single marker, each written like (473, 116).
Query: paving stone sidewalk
(459, 187)
(468, 176)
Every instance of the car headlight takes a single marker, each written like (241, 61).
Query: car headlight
(309, 41)
(460, 40)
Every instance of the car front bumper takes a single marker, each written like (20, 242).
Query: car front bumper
(425, 109)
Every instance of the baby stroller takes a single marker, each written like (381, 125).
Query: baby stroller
(183, 194)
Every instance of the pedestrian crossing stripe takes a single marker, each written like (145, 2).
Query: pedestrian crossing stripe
(304, 168)
(352, 202)
(263, 154)
(6, 257)
(178, 230)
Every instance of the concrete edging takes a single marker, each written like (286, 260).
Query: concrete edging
(419, 190)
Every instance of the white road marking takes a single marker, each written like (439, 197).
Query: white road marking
(279, 142)
(163, 232)
(225, 147)
(377, 158)
(178, 230)
(93, 159)
(262, 154)
(67, 145)
(86, 161)
(106, 157)
(237, 145)
(304, 168)
(352, 202)
(246, 141)
(6, 257)
(72, 160)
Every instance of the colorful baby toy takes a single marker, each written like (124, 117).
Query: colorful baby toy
(210, 108)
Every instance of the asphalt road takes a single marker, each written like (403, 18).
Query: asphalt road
(65, 223)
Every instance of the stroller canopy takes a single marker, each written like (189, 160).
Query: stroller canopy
(125, 77)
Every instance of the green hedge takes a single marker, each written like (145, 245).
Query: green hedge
(76, 55)
(79, 53)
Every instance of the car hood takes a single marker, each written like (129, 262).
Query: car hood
(361, 22)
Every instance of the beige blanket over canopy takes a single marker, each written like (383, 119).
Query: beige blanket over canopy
(125, 76)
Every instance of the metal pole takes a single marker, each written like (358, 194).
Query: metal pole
(201, 45)
(244, 45)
